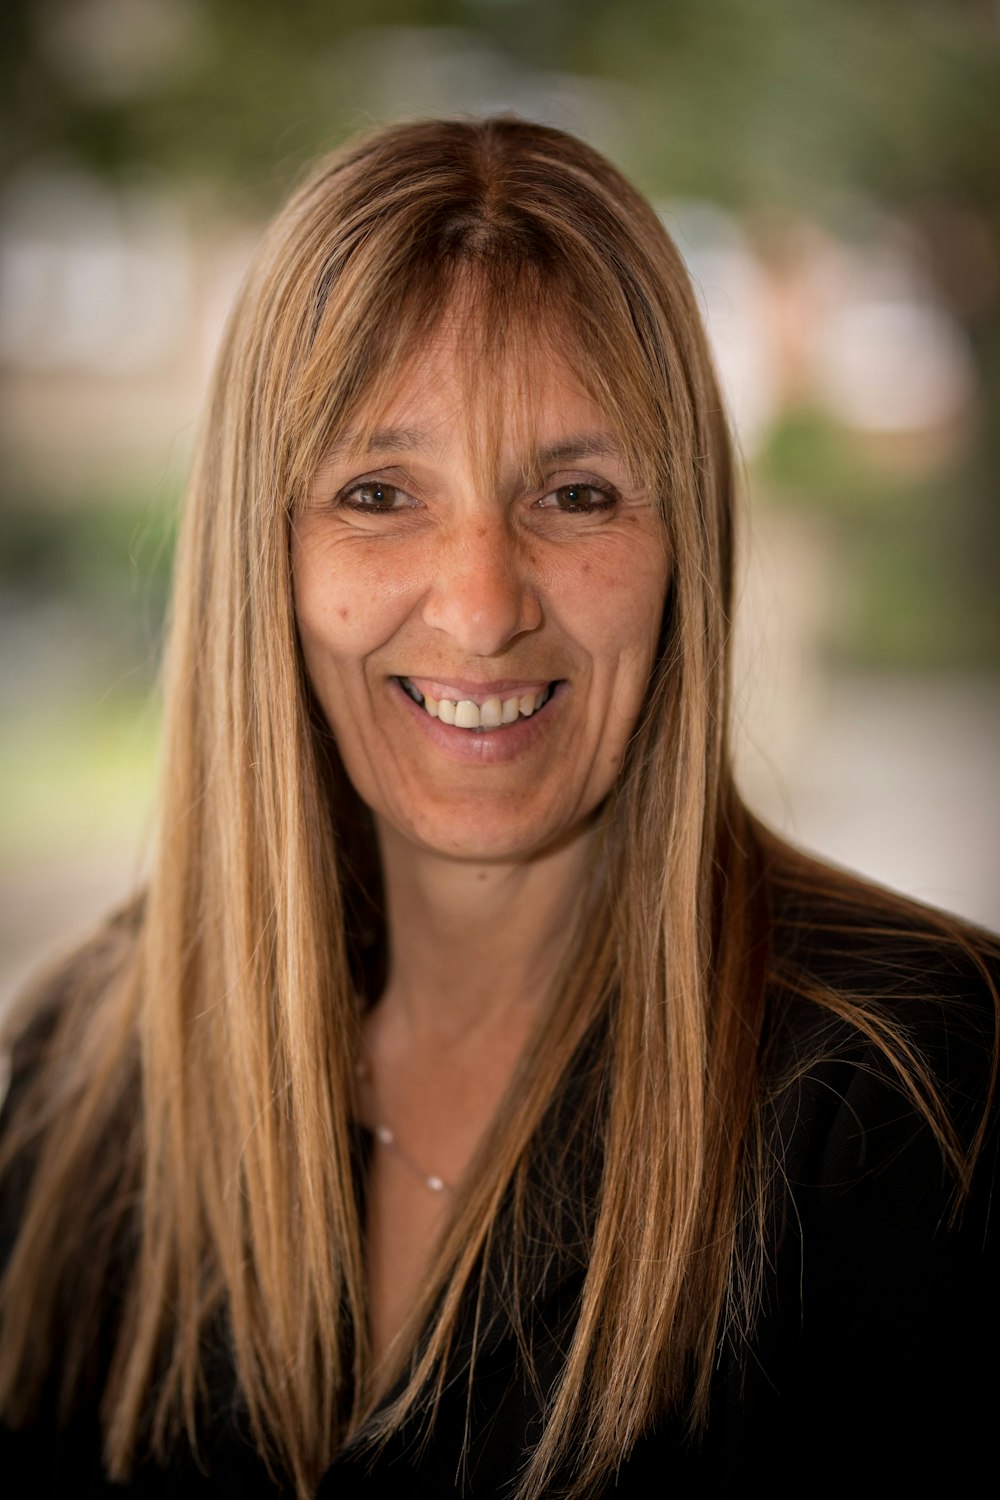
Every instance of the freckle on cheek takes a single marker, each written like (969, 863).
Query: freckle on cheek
(343, 612)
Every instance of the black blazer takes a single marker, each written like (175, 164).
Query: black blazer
(872, 1359)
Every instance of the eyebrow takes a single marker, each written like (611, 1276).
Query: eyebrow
(382, 440)
(408, 439)
(581, 445)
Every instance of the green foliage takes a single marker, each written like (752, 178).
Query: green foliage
(76, 775)
(107, 557)
(741, 100)
(917, 593)
(796, 100)
(83, 587)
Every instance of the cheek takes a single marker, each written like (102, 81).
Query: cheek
(615, 607)
(346, 605)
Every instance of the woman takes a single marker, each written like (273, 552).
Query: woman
(479, 1100)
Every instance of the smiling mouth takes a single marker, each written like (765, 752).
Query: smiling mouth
(494, 713)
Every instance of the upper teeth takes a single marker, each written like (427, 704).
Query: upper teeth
(465, 714)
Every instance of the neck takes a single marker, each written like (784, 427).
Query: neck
(471, 944)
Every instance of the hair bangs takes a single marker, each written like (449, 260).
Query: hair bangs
(508, 318)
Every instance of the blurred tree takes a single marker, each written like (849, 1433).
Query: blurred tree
(802, 105)
(746, 101)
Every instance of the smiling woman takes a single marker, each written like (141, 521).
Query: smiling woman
(480, 635)
(479, 1100)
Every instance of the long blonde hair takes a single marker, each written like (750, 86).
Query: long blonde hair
(191, 1101)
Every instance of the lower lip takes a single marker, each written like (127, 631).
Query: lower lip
(484, 747)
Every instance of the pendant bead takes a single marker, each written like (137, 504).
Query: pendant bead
(385, 1137)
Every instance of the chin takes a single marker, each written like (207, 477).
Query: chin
(473, 842)
(492, 839)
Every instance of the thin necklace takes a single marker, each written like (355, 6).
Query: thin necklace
(387, 1137)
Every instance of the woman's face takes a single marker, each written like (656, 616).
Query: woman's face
(480, 648)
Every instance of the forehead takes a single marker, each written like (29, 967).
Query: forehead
(520, 401)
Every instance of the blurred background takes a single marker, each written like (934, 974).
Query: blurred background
(831, 173)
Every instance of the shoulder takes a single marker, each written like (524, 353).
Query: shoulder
(856, 935)
(60, 998)
(55, 1037)
(861, 976)
(882, 1047)
(62, 1208)
(881, 1296)
(881, 1071)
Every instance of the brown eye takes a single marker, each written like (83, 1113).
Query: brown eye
(374, 497)
(578, 499)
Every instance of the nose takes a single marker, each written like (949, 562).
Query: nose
(485, 592)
